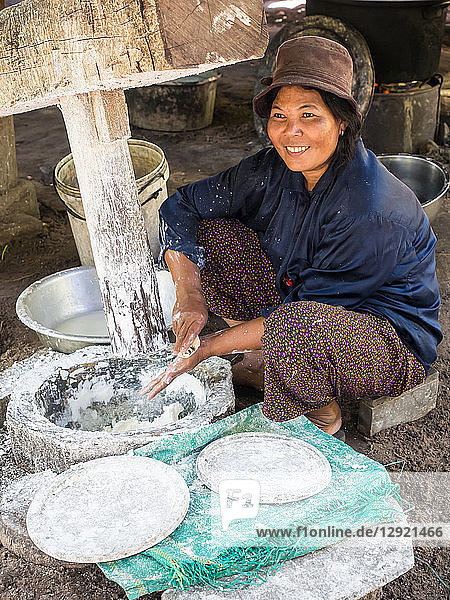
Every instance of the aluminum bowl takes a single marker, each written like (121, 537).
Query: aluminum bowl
(427, 178)
(71, 293)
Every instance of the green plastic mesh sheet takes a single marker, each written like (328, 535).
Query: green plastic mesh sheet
(199, 552)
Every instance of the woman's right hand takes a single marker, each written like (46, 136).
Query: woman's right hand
(189, 316)
(190, 312)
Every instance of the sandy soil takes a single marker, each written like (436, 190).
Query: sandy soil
(41, 142)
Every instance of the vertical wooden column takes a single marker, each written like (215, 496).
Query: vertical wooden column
(8, 163)
(19, 211)
(98, 129)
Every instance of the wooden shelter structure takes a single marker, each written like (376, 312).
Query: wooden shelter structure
(81, 55)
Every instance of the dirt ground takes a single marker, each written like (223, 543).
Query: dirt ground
(41, 142)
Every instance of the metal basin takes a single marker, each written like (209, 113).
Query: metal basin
(184, 104)
(427, 178)
(74, 293)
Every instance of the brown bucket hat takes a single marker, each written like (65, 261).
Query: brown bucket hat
(310, 61)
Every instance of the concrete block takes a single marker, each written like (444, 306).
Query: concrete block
(345, 571)
(22, 226)
(20, 199)
(376, 414)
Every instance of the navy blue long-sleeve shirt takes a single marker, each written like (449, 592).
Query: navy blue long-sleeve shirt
(360, 239)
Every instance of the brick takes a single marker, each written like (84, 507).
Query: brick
(376, 414)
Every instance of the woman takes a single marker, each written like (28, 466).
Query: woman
(311, 250)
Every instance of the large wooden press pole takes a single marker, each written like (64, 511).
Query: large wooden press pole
(97, 126)
(81, 55)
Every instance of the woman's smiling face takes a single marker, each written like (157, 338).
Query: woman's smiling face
(304, 131)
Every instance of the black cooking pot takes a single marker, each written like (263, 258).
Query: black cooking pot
(404, 36)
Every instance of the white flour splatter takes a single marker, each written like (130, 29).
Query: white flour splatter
(241, 15)
(226, 19)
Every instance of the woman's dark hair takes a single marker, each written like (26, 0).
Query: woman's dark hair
(342, 110)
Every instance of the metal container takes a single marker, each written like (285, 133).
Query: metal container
(151, 171)
(184, 104)
(404, 36)
(427, 178)
(402, 121)
(52, 300)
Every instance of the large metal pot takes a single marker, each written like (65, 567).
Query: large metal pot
(184, 104)
(46, 304)
(427, 178)
(412, 115)
(404, 36)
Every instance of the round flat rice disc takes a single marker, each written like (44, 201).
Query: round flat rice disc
(107, 508)
(287, 468)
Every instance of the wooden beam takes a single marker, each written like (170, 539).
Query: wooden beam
(55, 48)
(97, 127)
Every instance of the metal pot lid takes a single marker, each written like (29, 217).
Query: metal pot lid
(333, 29)
(287, 468)
(107, 508)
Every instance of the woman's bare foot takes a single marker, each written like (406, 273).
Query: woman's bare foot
(328, 418)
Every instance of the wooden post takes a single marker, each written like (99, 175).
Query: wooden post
(98, 129)
(8, 163)
(19, 210)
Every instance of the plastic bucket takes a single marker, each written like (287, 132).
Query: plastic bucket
(151, 171)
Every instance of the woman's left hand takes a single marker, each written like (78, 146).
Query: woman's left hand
(240, 338)
(176, 368)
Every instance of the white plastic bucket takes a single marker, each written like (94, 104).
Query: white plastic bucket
(151, 171)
